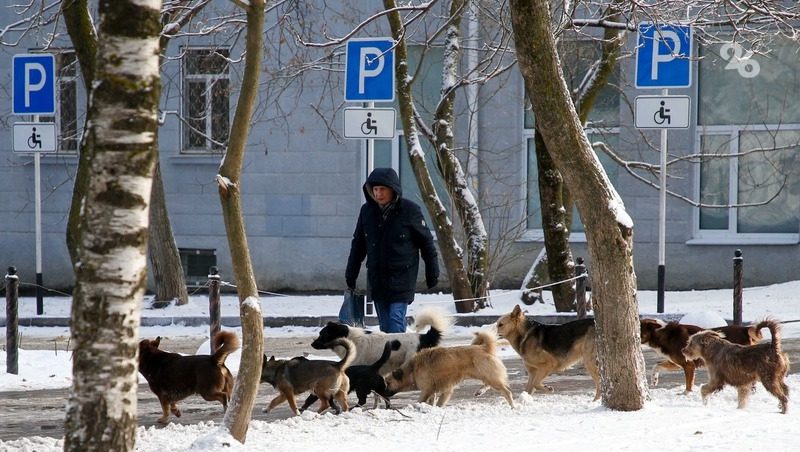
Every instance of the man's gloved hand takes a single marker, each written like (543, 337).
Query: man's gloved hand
(431, 281)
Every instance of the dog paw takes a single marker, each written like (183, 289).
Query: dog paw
(265, 410)
(163, 420)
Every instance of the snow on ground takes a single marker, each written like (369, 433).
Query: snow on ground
(670, 420)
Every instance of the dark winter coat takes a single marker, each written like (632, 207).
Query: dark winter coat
(392, 241)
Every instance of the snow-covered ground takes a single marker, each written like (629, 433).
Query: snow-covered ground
(670, 420)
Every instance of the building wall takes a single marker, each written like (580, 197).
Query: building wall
(302, 190)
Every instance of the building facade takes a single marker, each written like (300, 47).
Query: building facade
(302, 179)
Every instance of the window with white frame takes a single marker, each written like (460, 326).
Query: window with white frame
(749, 134)
(66, 119)
(602, 125)
(206, 99)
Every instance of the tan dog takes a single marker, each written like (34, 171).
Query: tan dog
(438, 370)
(325, 379)
(668, 339)
(545, 349)
(173, 377)
(741, 366)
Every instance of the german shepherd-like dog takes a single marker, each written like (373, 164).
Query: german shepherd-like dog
(545, 349)
(436, 371)
(173, 377)
(742, 366)
(325, 379)
(366, 379)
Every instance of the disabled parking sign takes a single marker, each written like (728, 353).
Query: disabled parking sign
(369, 70)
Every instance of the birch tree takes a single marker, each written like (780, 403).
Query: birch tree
(111, 271)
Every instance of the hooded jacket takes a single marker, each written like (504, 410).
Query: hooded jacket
(392, 240)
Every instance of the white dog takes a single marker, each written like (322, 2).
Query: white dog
(370, 344)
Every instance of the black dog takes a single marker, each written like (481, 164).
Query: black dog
(365, 379)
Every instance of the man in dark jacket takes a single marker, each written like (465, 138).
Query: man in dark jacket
(391, 233)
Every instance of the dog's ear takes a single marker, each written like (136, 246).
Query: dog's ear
(157, 342)
(397, 374)
(516, 312)
(271, 358)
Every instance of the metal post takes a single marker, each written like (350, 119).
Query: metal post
(580, 288)
(662, 216)
(213, 305)
(738, 263)
(37, 176)
(12, 321)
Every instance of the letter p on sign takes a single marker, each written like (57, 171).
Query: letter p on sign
(33, 80)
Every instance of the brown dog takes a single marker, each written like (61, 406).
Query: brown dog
(741, 366)
(325, 379)
(545, 349)
(173, 377)
(438, 370)
(669, 338)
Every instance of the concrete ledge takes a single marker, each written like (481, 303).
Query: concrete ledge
(475, 320)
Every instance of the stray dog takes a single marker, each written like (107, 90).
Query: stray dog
(438, 370)
(545, 349)
(325, 379)
(370, 344)
(365, 379)
(173, 377)
(741, 366)
(669, 338)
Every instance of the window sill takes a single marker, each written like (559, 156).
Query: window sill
(781, 239)
(537, 236)
(197, 158)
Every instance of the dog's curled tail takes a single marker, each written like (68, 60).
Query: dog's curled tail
(349, 352)
(774, 330)
(438, 322)
(225, 342)
(486, 340)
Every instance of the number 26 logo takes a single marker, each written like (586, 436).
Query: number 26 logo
(739, 59)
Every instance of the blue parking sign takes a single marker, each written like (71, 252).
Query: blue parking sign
(369, 70)
(664, 56)
(34, 86)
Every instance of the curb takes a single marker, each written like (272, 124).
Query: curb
(307, 321)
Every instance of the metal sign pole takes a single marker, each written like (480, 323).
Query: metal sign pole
(370, 148)
(662, 216)
(38, 220)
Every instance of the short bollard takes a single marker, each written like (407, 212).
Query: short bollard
(738, 263)
(580, 288)
(213, 305)
(12, 321)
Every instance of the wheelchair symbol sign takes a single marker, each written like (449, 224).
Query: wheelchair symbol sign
(369, 123)
(34, 137)
(662, 112)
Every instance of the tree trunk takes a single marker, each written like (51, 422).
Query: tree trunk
(237, 418)
(609, 229)
(81, 31)
(555, 226)
(555, 198)
(452, 254)
(111, 273)
(165, 260)
(466, 206)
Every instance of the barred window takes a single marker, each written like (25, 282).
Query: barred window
(67, 111)
(206, 93)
